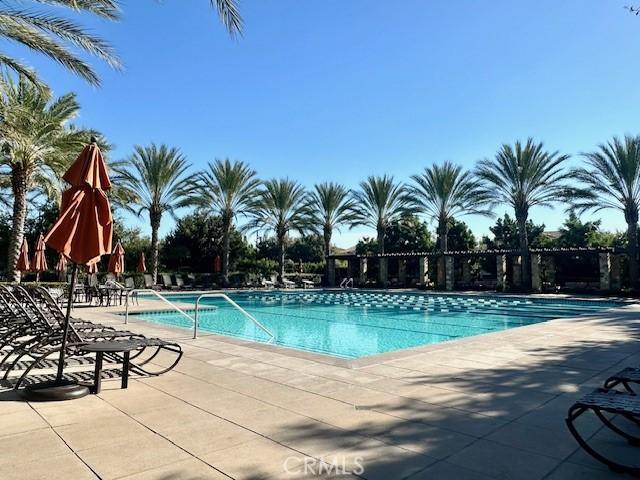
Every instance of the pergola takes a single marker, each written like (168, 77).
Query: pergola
(608, 260)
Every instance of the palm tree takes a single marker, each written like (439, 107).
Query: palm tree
(524, 176)
(444, 192)
(227, 189)
(332, 206)
(52, 35)
(379, 202)
(154, 179)
(282, 206)
(36, 146)
(611, 179)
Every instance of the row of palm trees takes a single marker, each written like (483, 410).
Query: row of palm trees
(524, 175)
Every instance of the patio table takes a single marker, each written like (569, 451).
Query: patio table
(100, 348)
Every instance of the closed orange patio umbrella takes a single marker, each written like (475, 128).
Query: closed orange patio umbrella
(83, 233)
(61, 267)
(116, 261)
(39, 261)
(142, 266)
(23, 258)
(91, 268)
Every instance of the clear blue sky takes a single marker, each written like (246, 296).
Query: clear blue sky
(340, 89)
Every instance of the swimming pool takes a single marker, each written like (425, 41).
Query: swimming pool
(354, 324)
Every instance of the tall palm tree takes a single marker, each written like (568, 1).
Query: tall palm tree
(37, 144)
(154, 178)
(379, 202)
(444, 192)
(524, 176)
(611, 180)
(54, 36)
(332, 206)
(281, 206)
(227, 189)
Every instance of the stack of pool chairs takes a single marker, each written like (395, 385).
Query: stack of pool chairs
(618, 410)
(31, 325)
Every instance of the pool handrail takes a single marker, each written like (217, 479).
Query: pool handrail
(173, 305)
(236, 306)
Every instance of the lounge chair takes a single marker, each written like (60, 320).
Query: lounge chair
(625, 377)
(307, 283)
(603, 402)
(286, 283)
(148, 282)
(42, 328)
(268, 283)
(130, 285)
(179, 282)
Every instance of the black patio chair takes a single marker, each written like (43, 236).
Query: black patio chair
(625, 377)
(605, 403)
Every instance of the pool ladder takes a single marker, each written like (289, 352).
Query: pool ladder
(194, 319)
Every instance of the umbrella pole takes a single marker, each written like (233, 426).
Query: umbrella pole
(67, 320)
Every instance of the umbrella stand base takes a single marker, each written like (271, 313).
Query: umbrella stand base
(54, 391)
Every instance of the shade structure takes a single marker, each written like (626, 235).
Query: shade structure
(91, 267)
(61, 266)
(142, 265)
(23, 258)
(116, 261)
(39, 261)
(83, 233)
(217, 264)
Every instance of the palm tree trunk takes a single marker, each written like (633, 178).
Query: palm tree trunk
(154, 219)
(632, 252)
(380, 240)
(443, 239)
(327, 249)
(281, 245)
(524, 252)
(20, 188)
(226, 242)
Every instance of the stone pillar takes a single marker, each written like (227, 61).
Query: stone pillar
(363, 270)
(383, 271)
(615, 282)
(517, 271)
(331, 272)
(349, 268)
(536, 272)
(423, 271)
(449, 272)
(402, 271)
(550, 269)
(604, 260)
(441, 275)
(501, 272)
(466, 271)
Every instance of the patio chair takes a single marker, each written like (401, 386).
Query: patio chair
(268, 283)
(179, 282)
(307, 283)
(625, 377)
(130, 285)
(167, 284)
(286, 283)
(603, 402)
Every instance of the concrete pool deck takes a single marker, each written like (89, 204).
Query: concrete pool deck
(488, 406)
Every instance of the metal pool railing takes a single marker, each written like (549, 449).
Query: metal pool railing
(194, 319)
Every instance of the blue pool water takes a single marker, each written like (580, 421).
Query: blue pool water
(354, 324)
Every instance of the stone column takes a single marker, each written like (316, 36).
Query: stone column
(363, 270)
(331, 272)
(402, 271)
(449, 272)
(615, 282)
(604, 260)
(517, 271)
(383, 271)
(423, 271)
(441, 275)
(501, 272)
(550, 269)
(349, 268)
(466, 271)
(536, 272)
